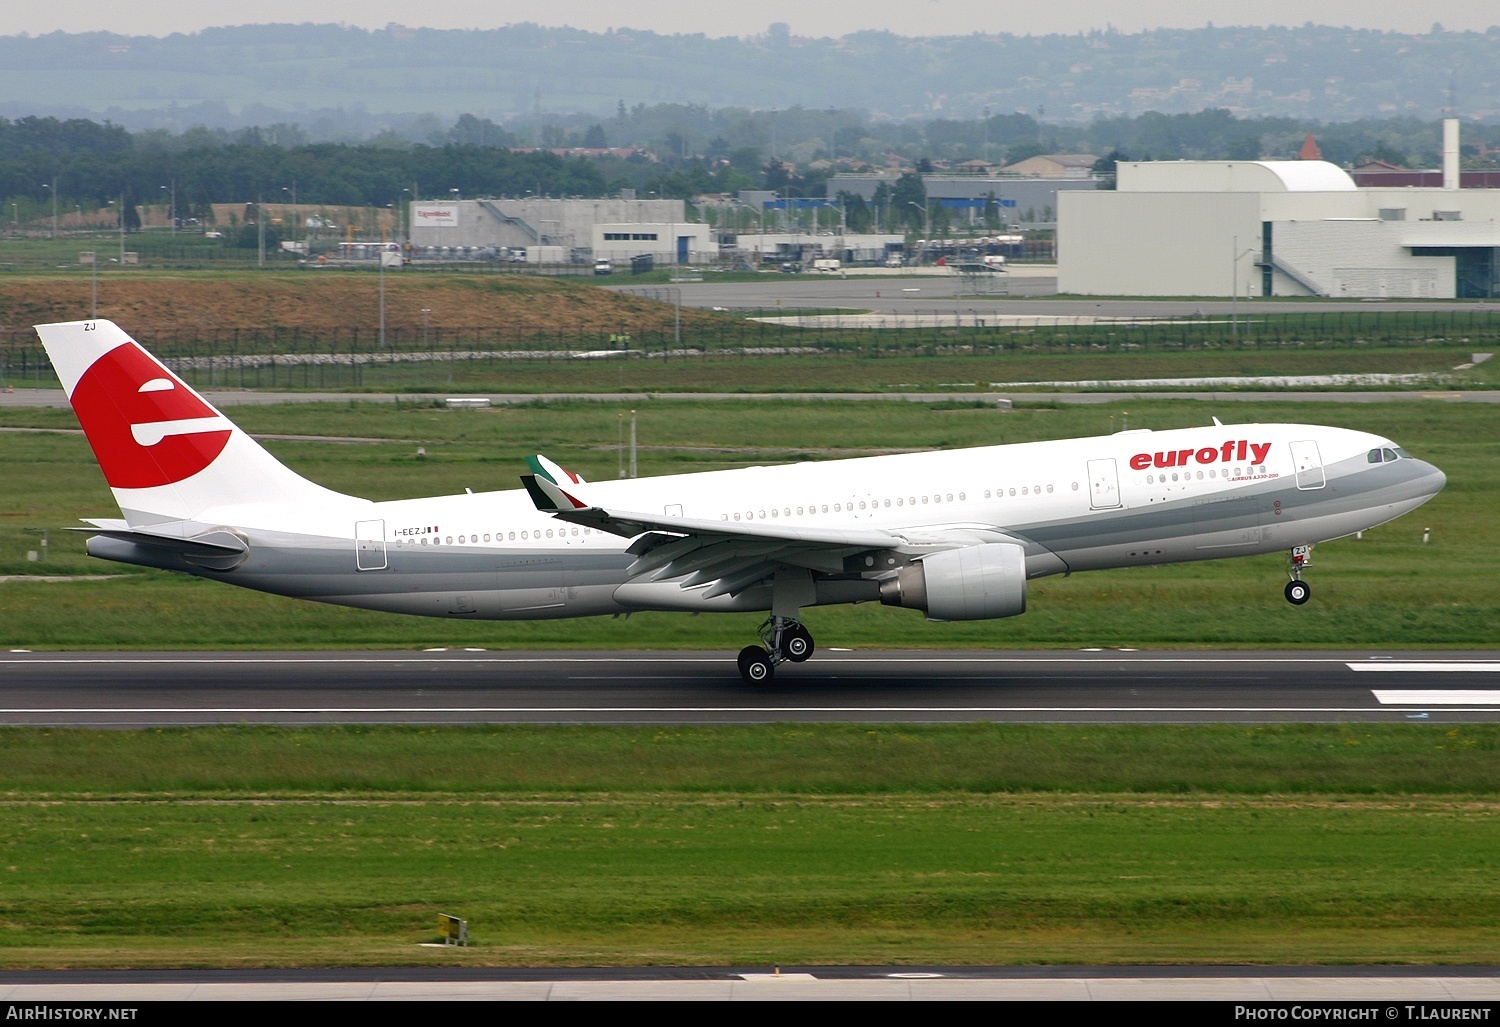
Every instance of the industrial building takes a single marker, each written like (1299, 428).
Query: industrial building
(668, 242)
(1278, 228)
(562, 229)
(803, 247)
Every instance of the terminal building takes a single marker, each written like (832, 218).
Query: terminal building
(1278, 228)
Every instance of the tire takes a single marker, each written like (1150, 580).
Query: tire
(1298, 592)
(797, 644)
(756, 667)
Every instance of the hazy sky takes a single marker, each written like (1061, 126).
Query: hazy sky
(748, 17)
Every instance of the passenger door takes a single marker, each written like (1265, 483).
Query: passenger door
(369, 546)
(1104, 485)
(1309, 464)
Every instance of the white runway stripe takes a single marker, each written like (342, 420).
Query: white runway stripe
(1492, 667)
(1436, 697)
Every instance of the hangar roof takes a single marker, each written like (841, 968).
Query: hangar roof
(1233, 176)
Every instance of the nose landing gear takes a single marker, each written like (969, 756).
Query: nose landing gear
(785, 639)
(1297, 590)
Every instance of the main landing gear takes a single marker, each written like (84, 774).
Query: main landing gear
(785, 639)
(1297, 590)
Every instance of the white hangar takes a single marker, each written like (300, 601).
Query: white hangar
(1278, 228)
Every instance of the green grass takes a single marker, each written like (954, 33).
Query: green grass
(847, 372)
(786, 759)
(1387, 590)
(730, 845)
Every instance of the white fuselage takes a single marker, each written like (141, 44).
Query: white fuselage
(1079, 504)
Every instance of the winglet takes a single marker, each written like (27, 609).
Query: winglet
(553, 471)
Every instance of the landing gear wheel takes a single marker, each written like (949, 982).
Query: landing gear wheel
(1298, 592)
(755, 665)
(797, 644)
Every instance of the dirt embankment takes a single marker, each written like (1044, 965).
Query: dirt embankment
(323, 301)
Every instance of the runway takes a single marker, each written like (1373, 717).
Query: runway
(474, 687)
(1371, 988)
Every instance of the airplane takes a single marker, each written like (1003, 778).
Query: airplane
(955, 534)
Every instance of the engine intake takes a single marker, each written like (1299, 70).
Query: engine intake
(973, 583)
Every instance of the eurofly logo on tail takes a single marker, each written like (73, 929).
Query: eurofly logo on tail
(146, 427)
(1237, 449)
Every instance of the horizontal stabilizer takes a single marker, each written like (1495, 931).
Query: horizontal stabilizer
(218, 549)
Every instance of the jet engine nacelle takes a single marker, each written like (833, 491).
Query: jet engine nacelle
(973, 583)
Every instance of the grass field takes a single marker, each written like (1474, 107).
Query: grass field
(1387, 590)
(837, 372)
(786, 844)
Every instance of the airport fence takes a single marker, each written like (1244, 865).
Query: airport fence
(297, 358)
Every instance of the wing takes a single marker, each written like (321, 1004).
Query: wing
(730, 557)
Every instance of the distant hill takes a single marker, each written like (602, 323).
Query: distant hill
(259, 74)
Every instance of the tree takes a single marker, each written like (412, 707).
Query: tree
(881, 201)
(910, 200)
(856, 212)
(593, 139)
(991, 212)
(132, 213)
(1105, 168)
(778, 175)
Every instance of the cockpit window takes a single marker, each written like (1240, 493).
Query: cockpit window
(1403, 453)
(1390, 454)
(1376, 456)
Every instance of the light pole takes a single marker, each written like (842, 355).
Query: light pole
(260, 231)
(541, 235)
(382, 294)
(172, 201)
(120, 219)
(1234, 287)
(926, 234)
(53, 187)
(295, 216)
